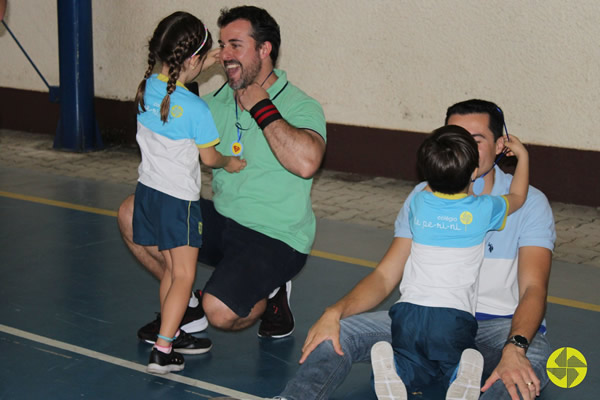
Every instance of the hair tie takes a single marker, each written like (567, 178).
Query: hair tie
(203, 42)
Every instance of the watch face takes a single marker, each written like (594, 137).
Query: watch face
(521, 340)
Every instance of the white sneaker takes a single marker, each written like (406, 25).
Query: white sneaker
(388, 385)
(235, 398)
(466, 386)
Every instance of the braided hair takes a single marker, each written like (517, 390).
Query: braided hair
(176, 38)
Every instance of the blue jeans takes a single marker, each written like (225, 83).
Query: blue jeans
(324, 370)
(490, 340)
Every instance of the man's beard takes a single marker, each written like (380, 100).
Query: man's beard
(249, 73)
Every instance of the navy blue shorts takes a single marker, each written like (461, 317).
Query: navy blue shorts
(428, 342)
(248, 265)
(165, 221)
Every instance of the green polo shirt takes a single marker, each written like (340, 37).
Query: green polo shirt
(265, 196)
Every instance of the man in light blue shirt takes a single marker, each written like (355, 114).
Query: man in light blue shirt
(511, 296)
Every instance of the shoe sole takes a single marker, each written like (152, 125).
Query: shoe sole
(164, 369)
(388, 385)
(227, 398)
(192, 351)
(466, 386)
(196, 326)
(276, 336)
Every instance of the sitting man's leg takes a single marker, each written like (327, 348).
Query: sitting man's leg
(490, 340)
(324, 370)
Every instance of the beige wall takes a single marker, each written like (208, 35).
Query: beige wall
(389, 64)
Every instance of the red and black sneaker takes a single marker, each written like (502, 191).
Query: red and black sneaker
(278, 320)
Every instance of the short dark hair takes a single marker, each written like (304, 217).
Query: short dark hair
(447, 159)
(476, 106)
(264, 27)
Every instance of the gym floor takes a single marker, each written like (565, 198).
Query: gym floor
(73, 298)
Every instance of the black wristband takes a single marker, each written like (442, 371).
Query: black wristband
(264, 112)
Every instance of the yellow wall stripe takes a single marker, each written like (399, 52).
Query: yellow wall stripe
(316, 253)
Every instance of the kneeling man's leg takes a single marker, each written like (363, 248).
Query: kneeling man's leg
(253, 265)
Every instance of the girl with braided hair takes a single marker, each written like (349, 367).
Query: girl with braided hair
(173, 127)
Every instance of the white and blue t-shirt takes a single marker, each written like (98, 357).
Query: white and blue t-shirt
(447, 247)
(170, 158)
(531, 225)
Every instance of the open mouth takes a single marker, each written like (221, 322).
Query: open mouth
(232, 69)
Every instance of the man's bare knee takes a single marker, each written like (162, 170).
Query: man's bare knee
(125, 217)
(221, 316)
(218, 314)
(148, 256)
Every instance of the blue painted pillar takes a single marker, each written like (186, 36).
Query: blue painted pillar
(77, 128)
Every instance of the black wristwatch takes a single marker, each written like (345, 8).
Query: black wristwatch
(519, 341)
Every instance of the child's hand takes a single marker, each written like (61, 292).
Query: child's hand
(212, 57)
(515, 147)
(234, 164)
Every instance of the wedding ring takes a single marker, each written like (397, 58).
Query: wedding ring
(529, 383)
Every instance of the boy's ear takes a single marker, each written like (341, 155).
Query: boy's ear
(474, 174)
(499, 145)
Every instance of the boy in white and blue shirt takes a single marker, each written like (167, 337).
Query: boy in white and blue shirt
(433, 323)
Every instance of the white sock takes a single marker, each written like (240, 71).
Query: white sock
(162, 349)
(288, 287)
(193, 301)
(273, 293)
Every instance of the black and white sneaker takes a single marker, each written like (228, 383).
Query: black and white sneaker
(278, 320)
(193, 321)
(188, 344)
(161, 363)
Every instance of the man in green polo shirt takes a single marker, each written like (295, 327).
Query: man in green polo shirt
(260, 226)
